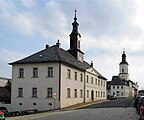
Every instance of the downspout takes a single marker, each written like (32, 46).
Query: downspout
(84, 88)
(60, 84)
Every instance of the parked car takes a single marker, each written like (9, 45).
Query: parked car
(142, 112)
(113, 97)
(2, 116)
(140, 102)
(136, 102)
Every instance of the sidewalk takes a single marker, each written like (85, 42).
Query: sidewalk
(42, 114)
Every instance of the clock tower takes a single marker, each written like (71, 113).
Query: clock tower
(75, 38)
(123, 68)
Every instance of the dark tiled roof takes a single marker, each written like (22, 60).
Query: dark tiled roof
(117, 81)
(55, 54)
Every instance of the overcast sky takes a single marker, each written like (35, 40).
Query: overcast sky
(106, 27)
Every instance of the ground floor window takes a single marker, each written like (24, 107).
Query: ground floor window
(49, 92)
(87, 93)
(68, 92)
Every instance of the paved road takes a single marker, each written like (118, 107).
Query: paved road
(111, 110)
(114, 103)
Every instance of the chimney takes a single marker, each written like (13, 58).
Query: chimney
(91, 63)
(58, 44)
(47, 46)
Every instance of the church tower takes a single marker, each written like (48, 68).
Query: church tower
(75, 38)
(123, 68)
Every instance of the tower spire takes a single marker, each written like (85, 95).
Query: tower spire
(75, 18)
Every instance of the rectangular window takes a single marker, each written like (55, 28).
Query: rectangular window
(87, 93)
(96, 93)
(81, 77)
(34, 92)
(122, 70)
(20, 92)
(104, 83)
(21, 72)
(50, 71)
(113, 87)
(113, 93)
(75, 93)
(35, 72)
(75, 75)
(68, 73)
(49, 92)
(103, 94)
(68, 92)
(117, 87)
(121, 87)
(121, 93)
(99, 82)
(81, 93)
(91, 80)
(96, 81)
(87, 78)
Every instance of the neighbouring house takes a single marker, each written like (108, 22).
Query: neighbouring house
(121, 85)
(5, 90)
(56, 78)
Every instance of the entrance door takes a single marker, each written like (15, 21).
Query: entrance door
(92, 95)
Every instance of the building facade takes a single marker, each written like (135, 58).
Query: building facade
(56, 78)
(121, 85)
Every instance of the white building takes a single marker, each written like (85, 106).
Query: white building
(121, 85)
(55, 78)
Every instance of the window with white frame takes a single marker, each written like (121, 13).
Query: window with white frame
(49, 92)
(75, 93)
(121, 87)
(103, 94)
(81, 93)
(91, 80)
(21, 72)
(96, 94)
(113, 87)
(81, 77)
(96, 81)
(87, 78)
(75, 75)
(34, 92)
(87, 93)
(35, 72)
(20, 92)
(68, 92)
(50, 71)
(68, 73)
(99, 82)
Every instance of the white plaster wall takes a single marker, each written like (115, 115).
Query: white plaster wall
(125, 90)
(42, 83)
(72, 84)
(94, 87)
